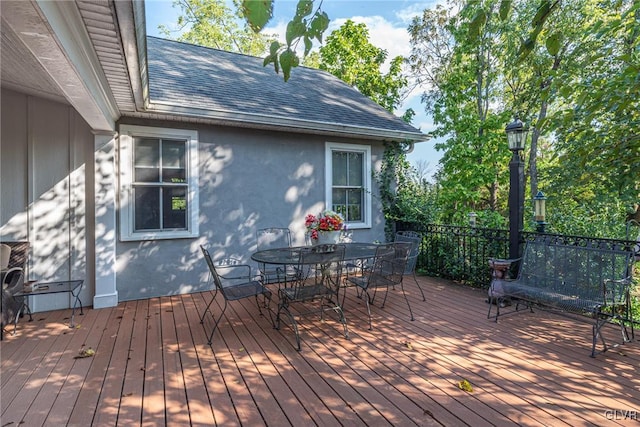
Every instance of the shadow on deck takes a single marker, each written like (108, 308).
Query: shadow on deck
(152, 366)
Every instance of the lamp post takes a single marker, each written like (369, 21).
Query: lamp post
(516, 136)
(539, 211)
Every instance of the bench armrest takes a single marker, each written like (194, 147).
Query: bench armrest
(616, 292)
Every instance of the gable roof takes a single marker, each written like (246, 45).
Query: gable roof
(237, 90)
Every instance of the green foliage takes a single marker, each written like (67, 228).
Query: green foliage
(455, 58)
(571, 70)
(212, 23)
(403, 195)
(349, 55)
(306, 25)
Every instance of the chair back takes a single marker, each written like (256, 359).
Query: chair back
(415, 239)
(212, 268)
(383, 258)
(269, 238)
(320, 267)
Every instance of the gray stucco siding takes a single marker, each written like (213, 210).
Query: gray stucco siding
(248, 179)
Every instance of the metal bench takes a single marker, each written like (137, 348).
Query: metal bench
(588, 280)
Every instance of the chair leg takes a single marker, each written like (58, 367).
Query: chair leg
(368, 304)
(208, 305)
(343, 320)
(407, 300)
(217, 321)
(266, 304)
(294, 324)
(415, 279)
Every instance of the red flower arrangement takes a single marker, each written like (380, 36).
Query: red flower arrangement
(326, 221)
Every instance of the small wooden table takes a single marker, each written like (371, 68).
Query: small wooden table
(72, 287)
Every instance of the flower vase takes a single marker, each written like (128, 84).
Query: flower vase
(327, 238)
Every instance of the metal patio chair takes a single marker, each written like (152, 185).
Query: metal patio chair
(386, 271)
(234, 281)
(12, 278)
(272, 238)
(315, 288)
(415, 239)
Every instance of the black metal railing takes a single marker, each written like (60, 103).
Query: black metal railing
(462, 253)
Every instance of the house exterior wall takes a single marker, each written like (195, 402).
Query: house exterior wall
(248, 179)
(45, 151)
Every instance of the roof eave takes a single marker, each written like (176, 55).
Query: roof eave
(262, 121)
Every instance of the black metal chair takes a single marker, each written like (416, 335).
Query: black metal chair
(415, 239)
(234, 281)
(315, 288)
(271, 238)
(387, 271)
(12, 278)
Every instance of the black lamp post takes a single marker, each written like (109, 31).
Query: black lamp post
(516, 136)
(539, 211)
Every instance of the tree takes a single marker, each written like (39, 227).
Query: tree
(212, 23)
(349, 55)
(460, 73)
(592, 92)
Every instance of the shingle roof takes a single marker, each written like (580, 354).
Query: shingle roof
(195, 80)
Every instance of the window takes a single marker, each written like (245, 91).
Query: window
(158, 183)
(349, 182)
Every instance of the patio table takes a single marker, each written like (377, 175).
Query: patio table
(72, 287)
(291, 256)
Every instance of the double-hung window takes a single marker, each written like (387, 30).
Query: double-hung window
(348, 186)
(159, 183)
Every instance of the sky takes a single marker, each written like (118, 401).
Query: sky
(387, 21)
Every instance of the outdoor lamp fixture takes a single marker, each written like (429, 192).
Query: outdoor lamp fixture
(539, 213)
(472, 219)
(516, 137)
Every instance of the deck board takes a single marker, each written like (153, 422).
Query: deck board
(153, 366)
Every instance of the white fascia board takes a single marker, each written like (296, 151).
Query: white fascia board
(278, 123)
(81, 78)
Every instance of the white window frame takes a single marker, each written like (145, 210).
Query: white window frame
(330, 147)
(126, 207)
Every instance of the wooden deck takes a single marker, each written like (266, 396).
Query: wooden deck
(153, 367)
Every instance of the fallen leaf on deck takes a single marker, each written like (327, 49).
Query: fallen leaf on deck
(465, 386)
(85, 353)
(408, 345)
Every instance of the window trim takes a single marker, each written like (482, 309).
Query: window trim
(125, 155)
(330, 147)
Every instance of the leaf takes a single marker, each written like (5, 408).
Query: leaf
(477, 23)
(275, 46)
(465, 385)
(553, 43)
(257, 13)
(541, 14)
(505, 7)
(319, 25)
(295, 29)
(288, 60)
(304, 8)
(85, 353)
(307, 45)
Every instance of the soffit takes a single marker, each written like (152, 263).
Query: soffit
(69, 52)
